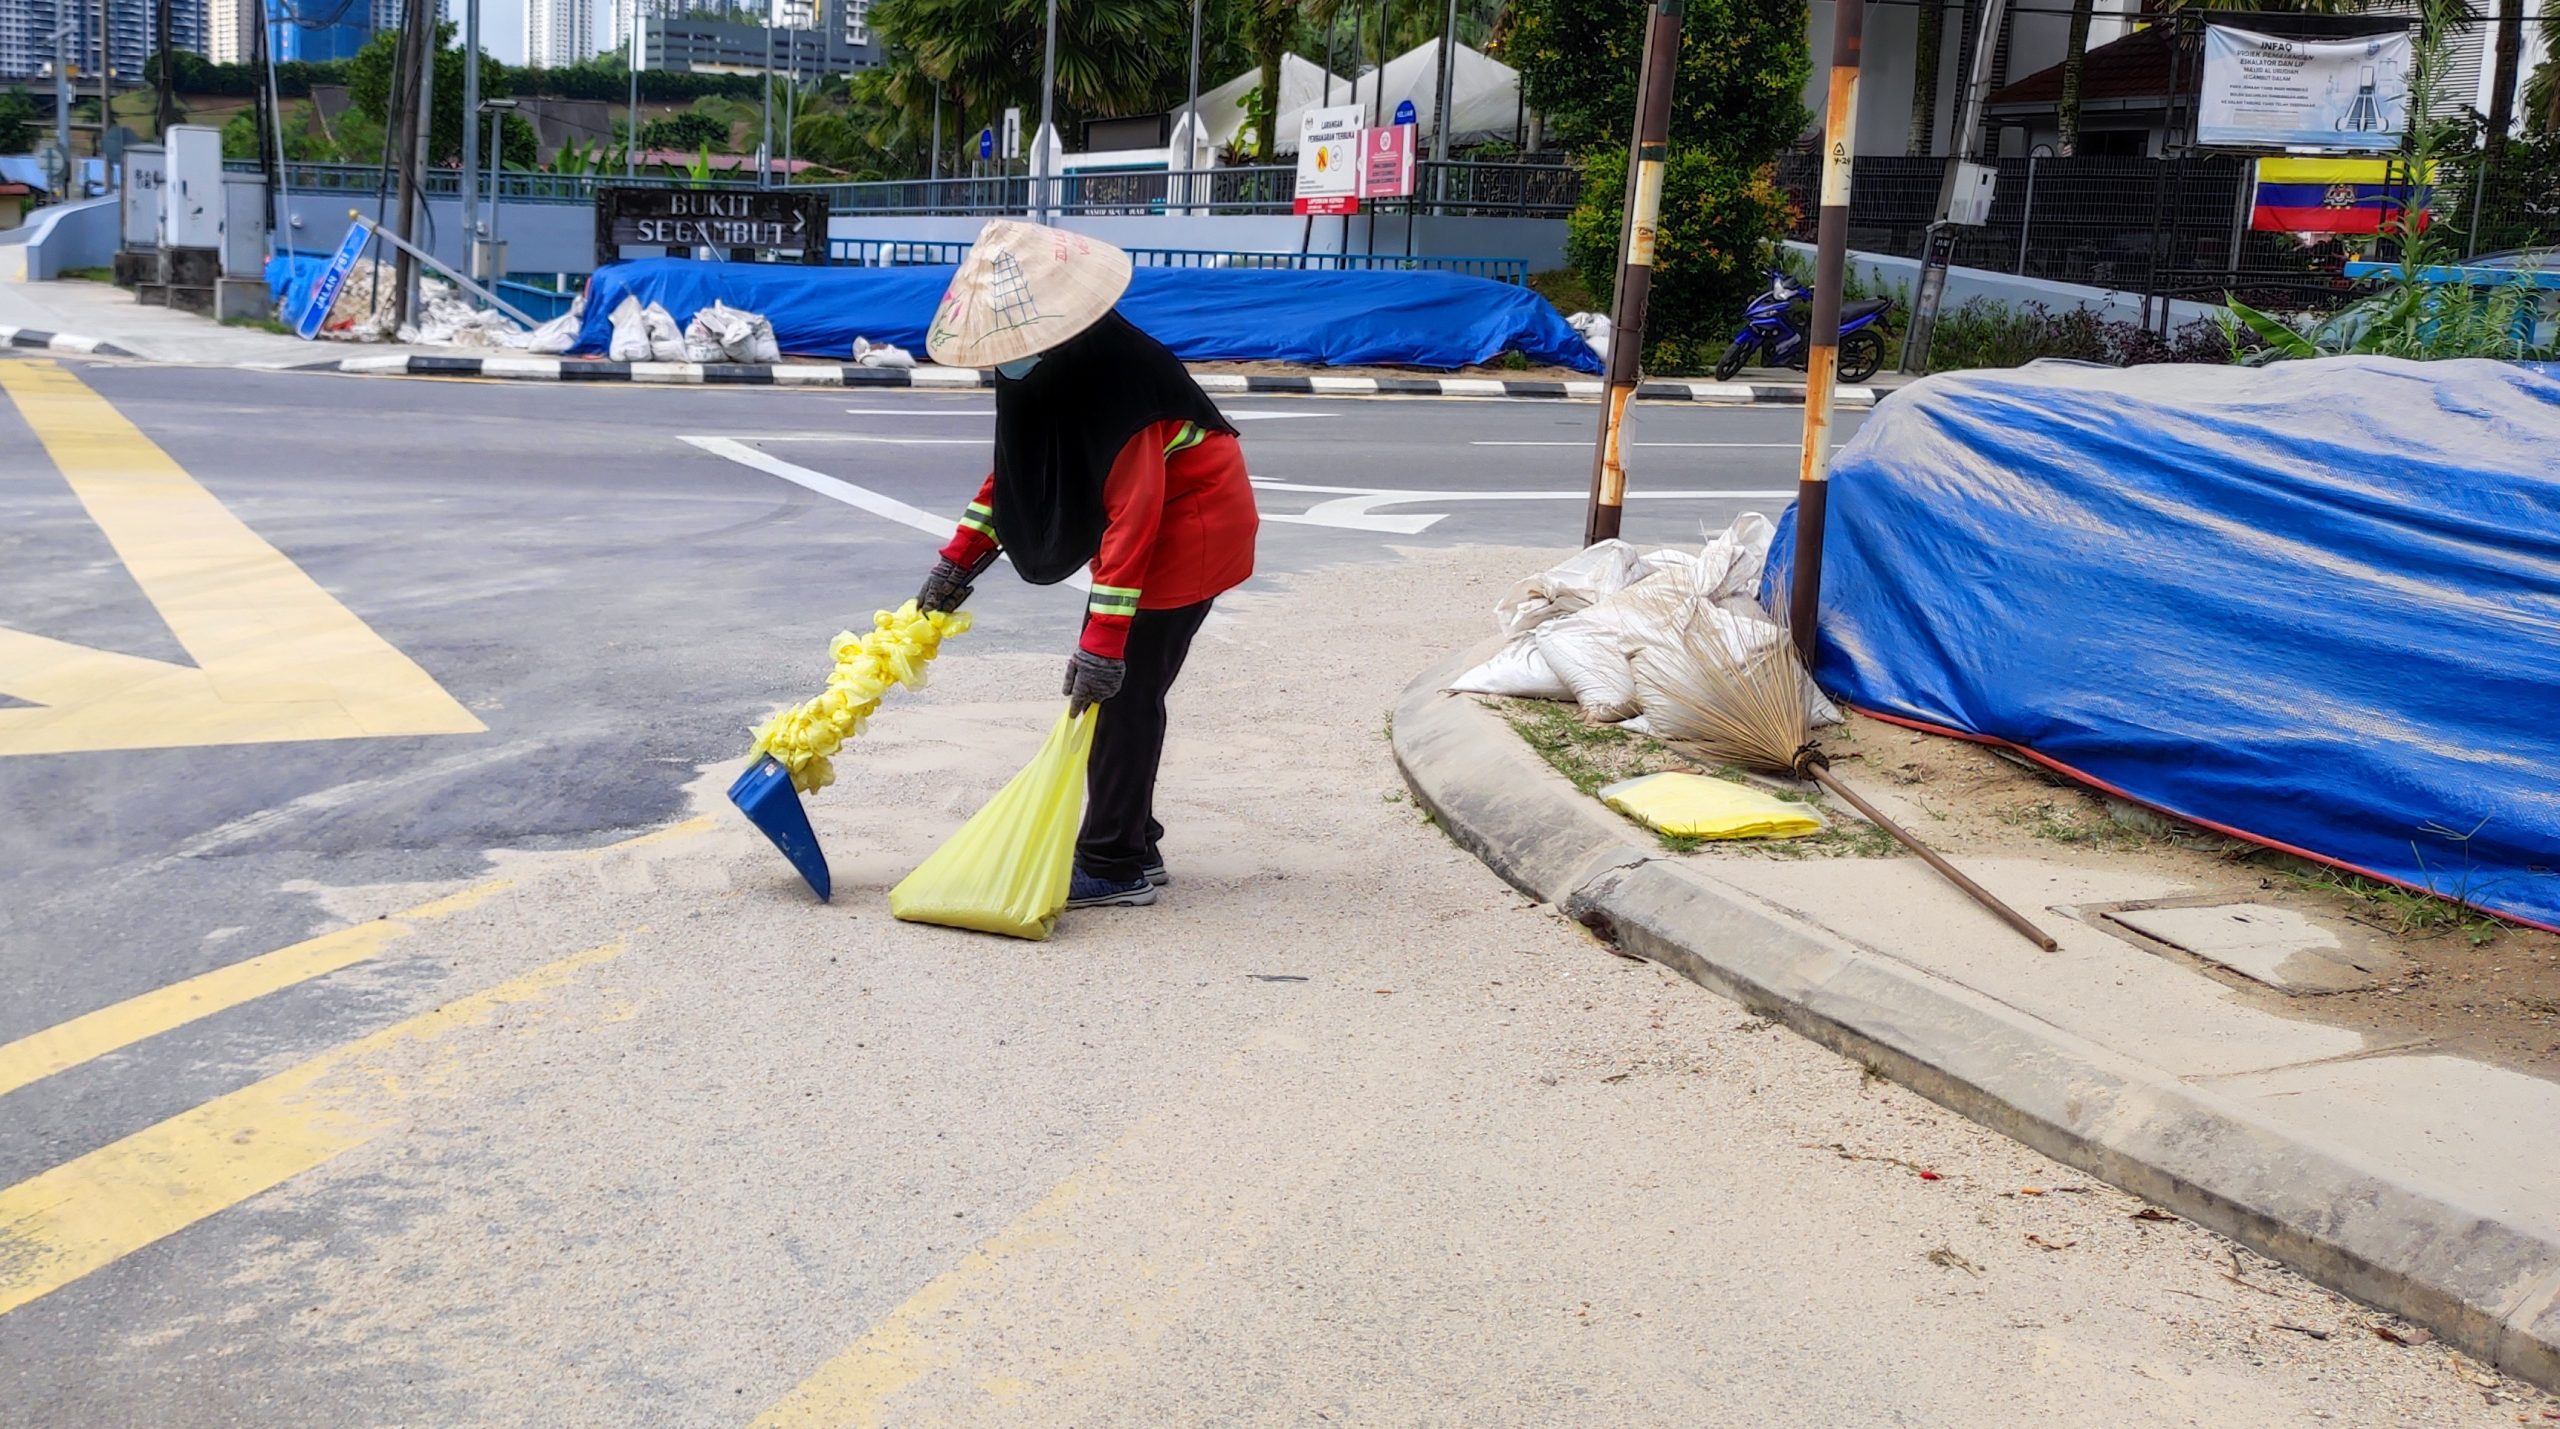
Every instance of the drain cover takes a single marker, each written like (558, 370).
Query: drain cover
(2285, 949)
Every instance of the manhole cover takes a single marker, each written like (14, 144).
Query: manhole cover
(2285, 949)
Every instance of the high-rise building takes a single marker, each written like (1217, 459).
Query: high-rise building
(27, 44)
(318, 30)
(836, 39)
(231, 31)
(558, 33)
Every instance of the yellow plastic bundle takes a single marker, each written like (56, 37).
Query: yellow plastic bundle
(1006, 870)
(1696, 806)
(894, 651)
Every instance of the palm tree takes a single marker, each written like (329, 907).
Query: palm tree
(1924, 76)
(2075, 49)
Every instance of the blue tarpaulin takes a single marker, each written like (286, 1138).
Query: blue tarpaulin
(1406, 318)
(2315, 604)
(290, 279)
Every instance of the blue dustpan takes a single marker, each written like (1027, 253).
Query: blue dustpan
(764, 794)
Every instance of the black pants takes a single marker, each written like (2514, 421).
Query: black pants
(1120, 828)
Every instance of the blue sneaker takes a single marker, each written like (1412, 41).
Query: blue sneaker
(1086, 891)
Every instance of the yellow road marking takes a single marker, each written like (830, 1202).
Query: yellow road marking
(60, 1225)
(854, 1388)
(1135, 1299)
(65, 1045)
(276, 657)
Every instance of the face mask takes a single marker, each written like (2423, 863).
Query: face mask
(1020, 367)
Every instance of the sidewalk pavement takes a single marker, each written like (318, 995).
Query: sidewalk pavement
(101, 316)
(2407, 1176)
(98, 318)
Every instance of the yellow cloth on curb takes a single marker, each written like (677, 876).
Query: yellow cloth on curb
(1006, 870)
(1699, 807)
(894, 651)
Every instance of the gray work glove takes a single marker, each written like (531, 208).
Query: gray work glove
(945, 588)
(1091, 679)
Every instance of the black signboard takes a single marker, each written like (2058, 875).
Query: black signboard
(741, 221)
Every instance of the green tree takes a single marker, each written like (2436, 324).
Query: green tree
(369, 77)
(1114, 56)
(685, 131)
(1737, 102)
(17, 122)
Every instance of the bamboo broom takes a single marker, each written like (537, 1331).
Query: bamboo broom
(1749, 707)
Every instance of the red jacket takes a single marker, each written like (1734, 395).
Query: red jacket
(1181, 527)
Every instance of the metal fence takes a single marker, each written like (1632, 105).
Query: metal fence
(904, 252)
(2159, 227)
(1544, 190)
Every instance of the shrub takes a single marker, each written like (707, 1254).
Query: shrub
(1715, 235)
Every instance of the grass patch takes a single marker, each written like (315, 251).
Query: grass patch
(2404, 911)
(89, 275)
(260, 324)
(1590, 756)
(2080, 823)
(1565, 288)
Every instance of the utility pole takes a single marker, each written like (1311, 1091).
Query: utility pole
(1048, 115)
(106, 83)
(1822, 359)
(631, 47)
(933, 161)
(165, 107)
(1645, 155)
(1440, 125)
(66, 32)
(471, 142)
(1940, 250)
(414, 85)
(764, 152)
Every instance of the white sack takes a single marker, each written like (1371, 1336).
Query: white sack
(1573, 584)
(1516, 670)
(630, 341)
(867, 353)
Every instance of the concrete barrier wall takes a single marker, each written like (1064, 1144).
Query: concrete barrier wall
(1887, 274)
(62, 237)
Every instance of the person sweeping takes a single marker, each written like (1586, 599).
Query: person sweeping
(1107, 455)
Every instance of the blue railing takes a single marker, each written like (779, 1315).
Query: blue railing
(539, 303)
(903, 252)
(1456, 187)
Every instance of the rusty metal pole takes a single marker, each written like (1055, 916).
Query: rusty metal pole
(1822, 360)
(1635, 266)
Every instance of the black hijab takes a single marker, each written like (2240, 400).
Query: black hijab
(1061, 426)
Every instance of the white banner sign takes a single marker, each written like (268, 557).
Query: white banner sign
(2269, 92)
(1329, 159)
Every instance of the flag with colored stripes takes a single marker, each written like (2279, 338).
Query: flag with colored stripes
(2321, 195)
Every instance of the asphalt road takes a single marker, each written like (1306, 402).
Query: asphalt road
(617, 604)
(518, 1084)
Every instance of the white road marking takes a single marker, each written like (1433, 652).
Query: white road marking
(1354, 507)
(1256, 416)
(860, 497)
(870, 438)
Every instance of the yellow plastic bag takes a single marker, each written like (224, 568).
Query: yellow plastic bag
(1006, 870)
(1698, 807)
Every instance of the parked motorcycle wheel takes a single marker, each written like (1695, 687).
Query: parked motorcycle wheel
(1861, 353)
(1731, 362)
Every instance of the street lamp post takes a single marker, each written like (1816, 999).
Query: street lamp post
(1048, 111)
(494, 266)
(471, 135)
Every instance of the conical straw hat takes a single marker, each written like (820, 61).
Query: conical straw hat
(1024, 289)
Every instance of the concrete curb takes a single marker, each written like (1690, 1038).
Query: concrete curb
(58, 342)
(814, 374)
(2485, 1284)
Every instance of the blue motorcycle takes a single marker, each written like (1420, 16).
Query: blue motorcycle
(1769, 331)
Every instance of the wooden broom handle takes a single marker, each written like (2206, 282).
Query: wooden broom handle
(1815, 767)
